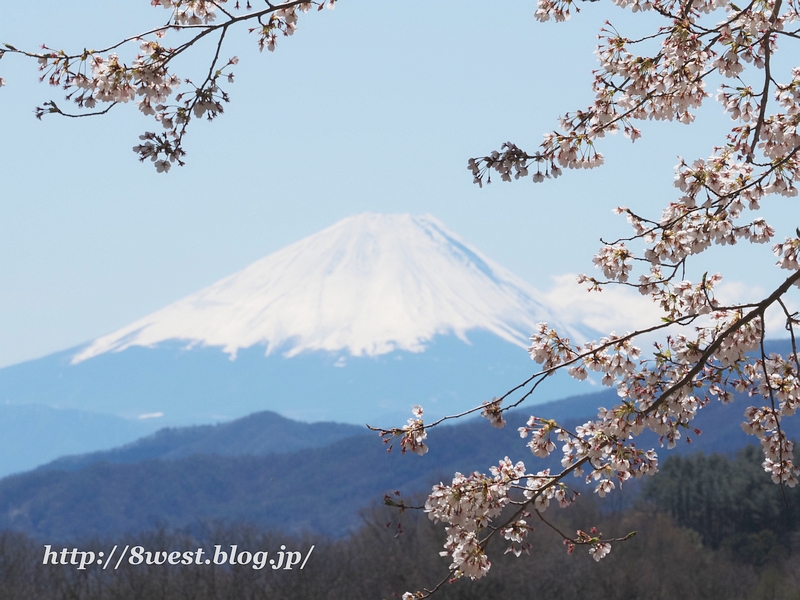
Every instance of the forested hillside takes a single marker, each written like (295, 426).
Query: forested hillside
(748, 551)
(184, 476)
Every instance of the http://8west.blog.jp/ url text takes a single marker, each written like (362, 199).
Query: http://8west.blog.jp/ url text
(139, 555)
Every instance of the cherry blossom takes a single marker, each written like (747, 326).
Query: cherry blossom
(412, 435)
(97, 81)
(494, 413)
(709, 350)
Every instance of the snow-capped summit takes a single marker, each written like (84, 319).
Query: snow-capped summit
(368, 285)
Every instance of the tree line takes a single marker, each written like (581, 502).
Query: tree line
(709, 527)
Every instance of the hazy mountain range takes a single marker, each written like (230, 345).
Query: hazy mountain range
(266, 378)
(289, 476)
(354, 324)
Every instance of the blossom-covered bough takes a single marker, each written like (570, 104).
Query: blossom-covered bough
(96, 81)
(709, 350)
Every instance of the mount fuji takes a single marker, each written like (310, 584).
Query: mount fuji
(353, 324)
(366, 286)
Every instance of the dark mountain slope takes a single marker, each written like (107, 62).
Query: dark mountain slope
(318, 489)
(256, 435)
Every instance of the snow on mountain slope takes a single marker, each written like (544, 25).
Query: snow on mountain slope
(368, 285)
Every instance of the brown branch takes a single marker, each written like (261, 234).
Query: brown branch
(713, 346)
(545, 372)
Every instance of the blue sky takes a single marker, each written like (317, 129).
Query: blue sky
(375, 106)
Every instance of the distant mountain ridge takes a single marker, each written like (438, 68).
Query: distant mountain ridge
(33, 434)
(318, 490)
(258, 434)
(354, 324)
(202, 385)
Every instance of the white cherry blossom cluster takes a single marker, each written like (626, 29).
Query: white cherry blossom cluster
(281, 22)
(543, 487)
(599, 550)
(96, 81)
(788, 253)
(612, 355)
(558, 10)
(516, 533)
(190, 12)
(775, 378)
(541, 431)
(412, 435)
(615, 262)
(669, 85)
(469, 504)
(494, 413)
(686, 299)
(711, 351)
(549, 349)
(513, 162)
(662, 394)
(595, 444)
